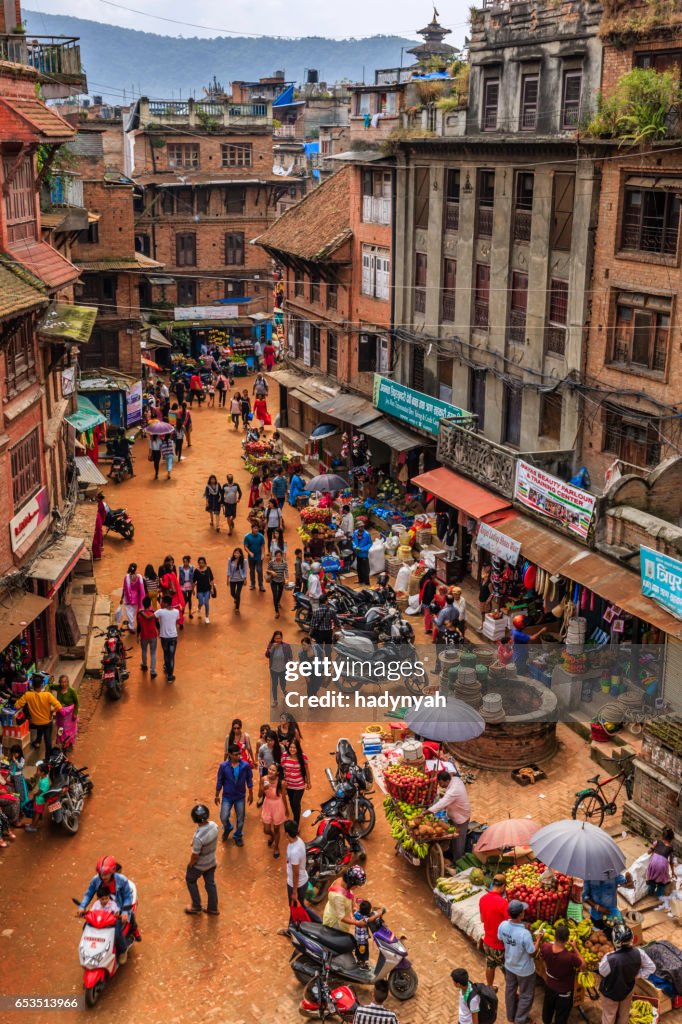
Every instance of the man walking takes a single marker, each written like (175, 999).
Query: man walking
(254, 543)
(148, 631)
(362, 542)
(260, 386)
(297, 876)
(519, 965)
(202, 862)
(168, 632)
(234, 778)
(232, 495)
(619, 971)
(41, 706)
(280, 487)
(322, 623)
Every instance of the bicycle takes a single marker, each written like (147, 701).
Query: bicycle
(591, 804)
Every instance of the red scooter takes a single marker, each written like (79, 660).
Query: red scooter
(97, 949)
(321, 1002)
(335, 847)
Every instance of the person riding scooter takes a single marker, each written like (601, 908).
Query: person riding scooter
(108, 873)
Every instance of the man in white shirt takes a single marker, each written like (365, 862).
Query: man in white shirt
(455, 802)
(347, 523)
(469, 999)
(168, 633)
(297, 876)
(314, 588)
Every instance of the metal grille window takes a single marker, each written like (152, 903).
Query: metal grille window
(25, 464)
(420, 272)
(570, 99)
(485, 194)
(491, 96)
(482, 296)
(186, 250)
(516, 329)
(651, 220)
(20, 360)
(641, 332)
(239, 155)
(234, 248)
(529, 102)
(551, 410)
(452, 199)
(183, 154)
(555, 332)
(449, 290)
(20, 201)
(523, 208)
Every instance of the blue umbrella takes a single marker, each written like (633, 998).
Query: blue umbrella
(324, 430)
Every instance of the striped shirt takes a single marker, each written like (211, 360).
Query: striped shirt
(279, 571)
(292, 771)
(374, 1014)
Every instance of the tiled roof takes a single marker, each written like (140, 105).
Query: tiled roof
(134, 262)
(17, 294)
(28, 119)
(44, 262)
(318, 225)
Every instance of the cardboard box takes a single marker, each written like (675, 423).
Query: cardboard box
(646, 990)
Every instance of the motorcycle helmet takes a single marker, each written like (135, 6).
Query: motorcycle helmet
(107, 866)
(434, 608)
(518, 622)
(622, 935)
(382, 579)
(200, 813)
(354, 876)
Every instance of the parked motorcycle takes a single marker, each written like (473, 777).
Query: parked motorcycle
(347, 762)
(97, 948)
(334, 848)
(351, 789)
(321, 1002)
(378, 624)
(118, 520)
(314, 942)
(361, 658)
(69, 787)
(114, 672)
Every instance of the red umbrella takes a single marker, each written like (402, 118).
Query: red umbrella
(508, 833)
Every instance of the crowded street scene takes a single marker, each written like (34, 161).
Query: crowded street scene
(341, 577)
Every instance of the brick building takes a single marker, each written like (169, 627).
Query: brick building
(208, 189)
(634, 356)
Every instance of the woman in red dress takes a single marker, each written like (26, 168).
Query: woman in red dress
(169, 585)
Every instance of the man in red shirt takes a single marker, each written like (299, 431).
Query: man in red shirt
(148, 631)
(493, 909)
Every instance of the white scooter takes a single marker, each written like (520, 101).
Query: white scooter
(97, 948)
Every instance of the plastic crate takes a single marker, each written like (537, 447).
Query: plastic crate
(16, 731)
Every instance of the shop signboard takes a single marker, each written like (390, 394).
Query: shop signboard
(68, 381)
(413, 407)
(497, 544)
(134, 404)
(662, 579)
(205, 312)
(569, 506)
(29, 519)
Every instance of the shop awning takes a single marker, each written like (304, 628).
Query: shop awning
(287, 379)
(75, 323)
(461, 493)
(88, 473)
(395, 437)
(86, 416)
(55, 564)
(348, 409)
(153, 338)
(607, 579)
(18, 612)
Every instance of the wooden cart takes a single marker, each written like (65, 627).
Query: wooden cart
(434, 860)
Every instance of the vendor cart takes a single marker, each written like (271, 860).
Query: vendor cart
(428, 853)
(421, 837)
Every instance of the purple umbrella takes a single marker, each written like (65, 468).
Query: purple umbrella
(159, 427)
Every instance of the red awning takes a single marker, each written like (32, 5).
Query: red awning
(463, 494)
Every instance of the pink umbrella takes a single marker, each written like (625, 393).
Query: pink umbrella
(508, 833)
(159, 427)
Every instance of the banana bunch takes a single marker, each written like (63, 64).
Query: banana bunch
(641, 1012)
(587, 980)
(451, 887)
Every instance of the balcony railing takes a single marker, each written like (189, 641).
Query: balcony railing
(66, 190)
(452, 216)
(420, 300)
(202, 114)
(516, 328)
(484, 223)
(286, 131)
(56, 56)
(570, 114)
(481, 313)
(529, 119)
(523, 220)
(376, 210)
(555, 339)
(448, 312)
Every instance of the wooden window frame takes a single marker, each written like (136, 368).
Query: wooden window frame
(234, 247)
(643, 235)
(236, 154)
(187, 157)
(551, 409)
(180, 246)
(20, 358)
(528, 123)
(26, 468)
(629, 310)
(490, 110)
(570, 108)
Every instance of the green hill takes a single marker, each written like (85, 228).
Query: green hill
(120, 58)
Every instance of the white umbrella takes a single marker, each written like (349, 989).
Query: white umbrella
(328, 482)
(457, 722)
(579, 849)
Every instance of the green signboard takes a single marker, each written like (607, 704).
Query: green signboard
(413, 407)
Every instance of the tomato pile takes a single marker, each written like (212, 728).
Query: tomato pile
(545, 903)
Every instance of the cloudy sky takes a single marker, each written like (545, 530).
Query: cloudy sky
(270, 17)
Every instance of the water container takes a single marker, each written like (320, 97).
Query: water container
(412, 750)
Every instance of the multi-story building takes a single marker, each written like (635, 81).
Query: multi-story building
(208, 188)
(633, 397)
(39, 338)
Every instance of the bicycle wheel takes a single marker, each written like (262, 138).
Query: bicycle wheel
(589, 806)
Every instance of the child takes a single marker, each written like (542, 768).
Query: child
(17, 763)
(298, 570)
(186, 578)
(504, 651)
(105, 901)
(469, 1000)
(39, 802)
(659, 871)
(364, 916)
(211, 393)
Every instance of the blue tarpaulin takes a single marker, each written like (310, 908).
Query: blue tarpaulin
(310, 148)
(285, 98)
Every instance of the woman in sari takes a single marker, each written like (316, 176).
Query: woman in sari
(67, 717)
(171, 587)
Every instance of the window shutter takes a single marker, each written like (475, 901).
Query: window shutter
(367, 264)
(562, 221)
(421, 197)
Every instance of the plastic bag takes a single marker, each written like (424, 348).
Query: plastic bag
(676, 906)
(377, 557)
(402, 580)
(638, 890)
(118, 615)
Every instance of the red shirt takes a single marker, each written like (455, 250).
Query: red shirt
(147, 625)
(493, 909)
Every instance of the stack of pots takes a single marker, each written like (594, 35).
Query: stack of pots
(491, 708)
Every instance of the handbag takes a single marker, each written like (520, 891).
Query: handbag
(214, 592)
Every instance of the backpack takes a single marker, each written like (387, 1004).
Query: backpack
(487, 1013)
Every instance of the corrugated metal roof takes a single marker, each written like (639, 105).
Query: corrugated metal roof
(58, 559)
(348, 409)
(65, 321)
(287, 379)
(17, 611)
(88, 473)
(395, 437)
